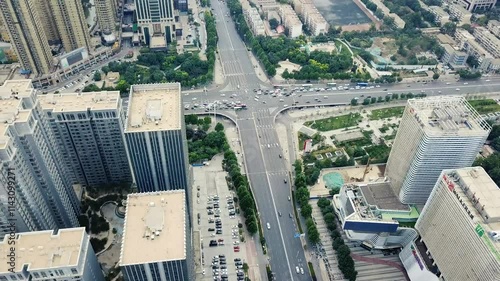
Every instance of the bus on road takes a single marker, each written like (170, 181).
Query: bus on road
(331, 85)
(362, 84)
(307, 86)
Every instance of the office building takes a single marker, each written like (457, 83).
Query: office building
(50, 255)
(290, 20)
(371, 213)
(156, 22)
(71, 24)
(156, 226)
(86, 128)
(454, 58)
(155, 137)
(27, 36)
(460, 226)
(488, 40)
(44, 197)
(435, 133)
(494, 27)
(254, 21)
(476, 5)
(106, 11)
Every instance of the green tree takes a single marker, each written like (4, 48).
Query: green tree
(306, 210)
(435, 76)
(97, 76)
(354, 102)
(273, 23)
(219, 127)
(313, 234)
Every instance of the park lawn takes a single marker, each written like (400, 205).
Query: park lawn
(485, 106)
(383, 113)
(378, 153)
(334, 123)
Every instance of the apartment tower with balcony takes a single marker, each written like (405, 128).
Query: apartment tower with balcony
(24, 25)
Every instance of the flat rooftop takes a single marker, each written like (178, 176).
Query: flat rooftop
(154, 107)
(11, 112)
(447, 115)
(479, 195)
(80, 101)
(155, 226)
(44, 249)
(382, 196)
(21, 87)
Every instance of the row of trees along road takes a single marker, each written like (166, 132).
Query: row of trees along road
(345, 261)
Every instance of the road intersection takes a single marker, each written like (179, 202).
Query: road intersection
(265, 160)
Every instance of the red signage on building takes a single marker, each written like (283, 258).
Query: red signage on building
(451, 185)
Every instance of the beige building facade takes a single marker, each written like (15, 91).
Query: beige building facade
(71, 24)
(25, 29)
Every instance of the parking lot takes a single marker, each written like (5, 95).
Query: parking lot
(216, 224)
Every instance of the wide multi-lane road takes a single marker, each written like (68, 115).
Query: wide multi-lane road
(264, 158)
(266, 170)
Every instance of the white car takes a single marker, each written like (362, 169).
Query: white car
(297, 269)
(457, 89)
(301, 271)
(268, 226)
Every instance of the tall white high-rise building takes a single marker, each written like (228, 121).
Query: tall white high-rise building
(156, 21)
(460, 227)
(49, 255)
(155, 137)
(156, 244)
(86, 127)
(435, 133)
(34, 188)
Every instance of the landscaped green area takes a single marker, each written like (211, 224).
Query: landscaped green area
(315, 65)
(485, 106)
(316, 138)
(202, 146)
(383, 113)
(165, 66)
(334, 123)
(378, 153)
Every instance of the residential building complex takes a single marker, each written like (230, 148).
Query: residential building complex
(488, 40)
(49, 255)
(462, 219)
(156, 22)
(398, 21)
(460, 13)
(44, 196)
(314, 20)
(26, 32)
(71, 24)
(106, 11)
(494, 27)
(155, 137)
(290, 20)
(254, 21)
(468, 43)
(474, 5)
(371, 213)
(440, 15)
(435, 133)
(156, 226)
(87, 129)
(48, 22)
(454, 58)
